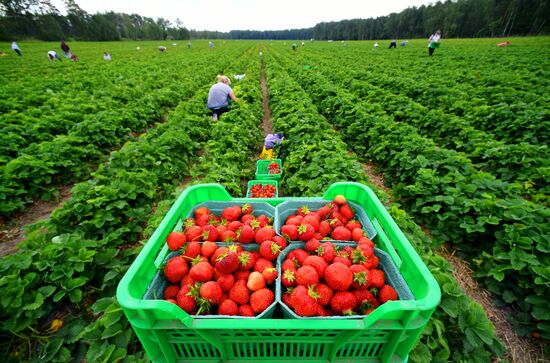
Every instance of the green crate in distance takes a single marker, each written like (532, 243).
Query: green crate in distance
(262, 170)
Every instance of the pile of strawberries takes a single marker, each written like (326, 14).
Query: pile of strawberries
(323, 280)
(274, 168)
(260, 190)
(207, 278)
(235, 224)
(334, 220)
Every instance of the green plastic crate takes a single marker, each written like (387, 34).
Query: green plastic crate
(262, 172)
(388, 334)
(262, 182)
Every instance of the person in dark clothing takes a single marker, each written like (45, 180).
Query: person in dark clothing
(66, 50)
(393, 44)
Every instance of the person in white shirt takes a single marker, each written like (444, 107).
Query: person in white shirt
(106, 56)
(15, 48)
(52, 56)
(434, 42)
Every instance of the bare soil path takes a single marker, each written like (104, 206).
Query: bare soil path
(12, 232)
(267, 125)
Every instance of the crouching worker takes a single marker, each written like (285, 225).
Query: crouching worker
(220, 96)
(52, 56)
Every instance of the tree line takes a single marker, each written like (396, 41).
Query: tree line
(456, 18)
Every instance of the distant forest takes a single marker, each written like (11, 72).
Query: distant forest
(39, 19)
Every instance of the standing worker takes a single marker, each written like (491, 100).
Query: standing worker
(15, 48)
(434, 42)
(66, 50)
(220, 96)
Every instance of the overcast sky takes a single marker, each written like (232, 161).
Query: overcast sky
(226, 15)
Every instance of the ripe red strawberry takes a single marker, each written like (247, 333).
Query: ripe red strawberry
(176, 269)
(294, 220)
(175, 240)
(346, 211)
(341, 234)
(339, 199)
(342, 257)
(241, 275)
(365, 240)
(343, 302)
(228, 236)
(307, 275)
(231, 213)
(338, 276)
(288, 264)
(201, 211)
(269, 250)
(261, 264)
(188, 222)
(313, 220)
(246, 209)
(264, 234)
(255, 281)
(202, 272)
(264, 220)
(202, 220)
(375, 278)
(285, 297)
(239, 292)
(318, 263)
(327, 252)
(193, 233)
(192, 250)
(303, 210)
(246, 234)
(312, 245)
(227, 262)
(324, 211)
(187, 280)
(185, 299)
(234, 226)
(208, 248)
(226, 281)
(302, 302)
(270, 274)
(305, 232)
(247, 219)
(298, 255)
(261, 299)
(365, 300)
(246, 310)
(371, 262)
(387, 293)
(211, 292)
(324, 228)
(359, 277)
(288, 278)
(290, 232)
(228, 307)
(246, 260)
(325, 294)
(210, 233)
(171, 291)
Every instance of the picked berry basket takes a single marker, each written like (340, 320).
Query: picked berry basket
(262, 189)
(269, 169)
(387, 334)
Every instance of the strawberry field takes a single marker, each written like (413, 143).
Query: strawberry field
(459, 139)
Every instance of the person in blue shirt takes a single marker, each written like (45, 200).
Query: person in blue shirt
(220, 96)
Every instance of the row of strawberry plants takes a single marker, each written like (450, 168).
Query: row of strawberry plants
(42, 167)
(459, 330)
(488, 99)
(524, 164)
(103, 216)
(219, 138)
(458, 203)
